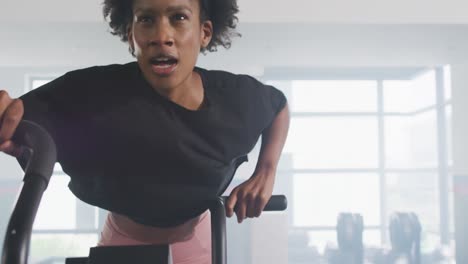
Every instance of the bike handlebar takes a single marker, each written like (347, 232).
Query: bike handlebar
(276, 203)
(38, 160)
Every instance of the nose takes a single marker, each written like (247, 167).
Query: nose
(162, 35)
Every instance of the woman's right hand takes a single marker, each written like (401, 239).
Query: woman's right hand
(11, 113)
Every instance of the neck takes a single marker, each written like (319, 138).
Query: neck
(189, 94)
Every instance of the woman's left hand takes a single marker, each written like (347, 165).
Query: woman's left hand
(249, 198)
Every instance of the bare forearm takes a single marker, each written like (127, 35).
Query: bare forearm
(273, 139)
(249, 198)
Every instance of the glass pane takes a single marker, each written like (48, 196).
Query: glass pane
(58, 206)
(410, 95)
(39, 82)
(333, 142)
(51, 246)
(334, 96)
(411, 141)
(319, 198)
(447, 82)
(415, 192)
(397, 96)
(58, 168)
(424, 93)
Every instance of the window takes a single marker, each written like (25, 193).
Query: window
(334, 96)
(414, 192)
(320, 197)
(411, 140)
(57, 200)
(35, 83)
(406, 96)
(370, 146)
(323, 142)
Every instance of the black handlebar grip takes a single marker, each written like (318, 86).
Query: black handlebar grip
(40, 155)
(276, 203)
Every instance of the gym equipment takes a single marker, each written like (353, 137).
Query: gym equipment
(405, 238)
(349, 235)
(40, 158)
(349, 231)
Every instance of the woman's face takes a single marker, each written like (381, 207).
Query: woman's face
(167, 36)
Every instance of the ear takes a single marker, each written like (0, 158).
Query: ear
(206, 33)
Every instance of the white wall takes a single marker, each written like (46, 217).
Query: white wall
(356, 11)
(316, 11)
(263, 45)
(43, 44)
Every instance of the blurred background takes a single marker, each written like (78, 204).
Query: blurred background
(376, 164)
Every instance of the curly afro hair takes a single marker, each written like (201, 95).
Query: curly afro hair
(222, 14)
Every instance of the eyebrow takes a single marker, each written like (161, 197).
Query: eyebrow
(179, 8)
(174, 8)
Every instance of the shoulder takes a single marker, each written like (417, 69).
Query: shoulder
(86, 83)
(103, 72)
(231, 82)
(244, 91)
(94, 79)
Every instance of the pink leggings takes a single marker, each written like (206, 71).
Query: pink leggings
(190, 243)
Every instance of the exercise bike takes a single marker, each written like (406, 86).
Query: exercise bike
(41, 159)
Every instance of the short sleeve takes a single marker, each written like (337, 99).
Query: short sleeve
(264, 102)
(42, 106)
(277, 98)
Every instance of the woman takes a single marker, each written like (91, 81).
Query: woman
(152, 141)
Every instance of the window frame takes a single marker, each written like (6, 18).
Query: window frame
(442, 168)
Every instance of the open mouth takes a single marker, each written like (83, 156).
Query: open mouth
(163, 65)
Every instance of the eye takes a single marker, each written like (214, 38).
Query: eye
(145, 19)
(180, 17)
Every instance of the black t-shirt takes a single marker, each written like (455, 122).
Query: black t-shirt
(132, 151)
